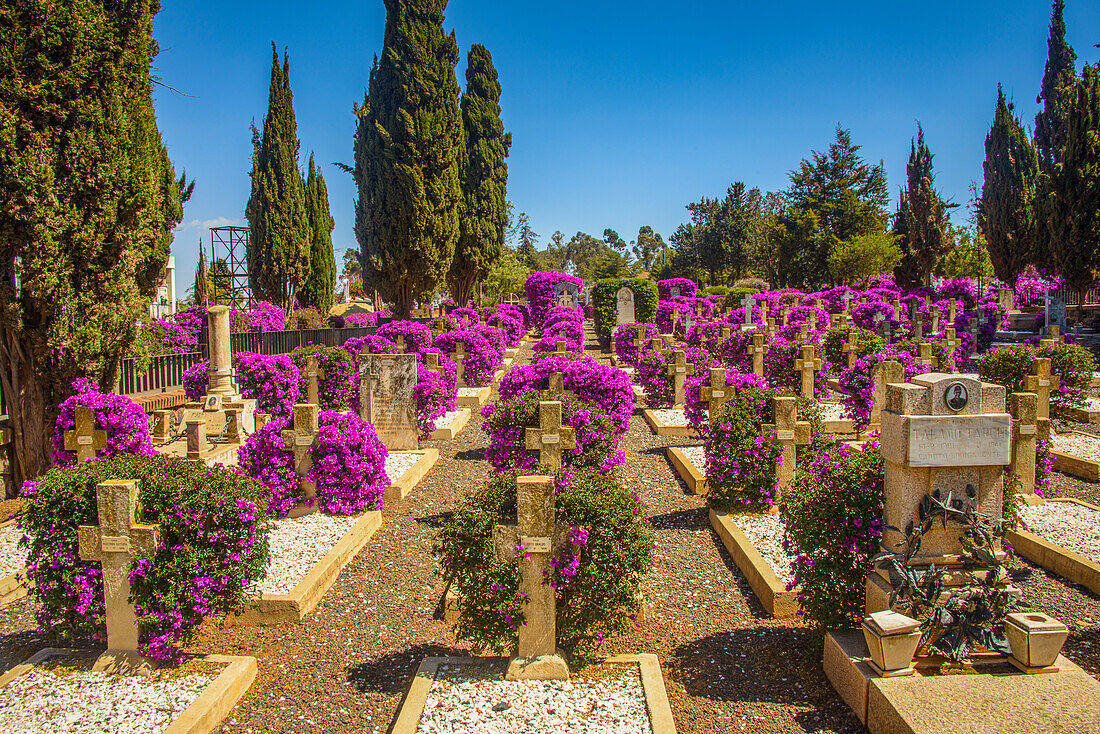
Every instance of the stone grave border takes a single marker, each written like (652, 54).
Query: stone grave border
(204, 714)
(771, 592)
(294, 606)
(474, 401)
(1078, 466)
(399, 488)
(695, 480)
(449, 432)
(653, 686)
(17, 585)
(901, 704)
(1077, 415)
(1054, 558)
(639, 393)
(662, 429)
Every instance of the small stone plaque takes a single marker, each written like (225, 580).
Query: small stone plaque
(550, 438)
(84, 440)
(535, 545)
(717, 394)
(959, 440)
(784, 435)
(1029, 430)
(303, 440)
(115, 544)
(213, 402)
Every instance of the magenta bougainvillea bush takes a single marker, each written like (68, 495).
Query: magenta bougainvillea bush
(433, 399)
(272, 379)
(337, 386)
(652, 373)
(361, 319)
(468, 316)
(570, 332)
(540, 292)
(857, 382)
(417, 336)
(516, 311)
(123, 420)
(371, 344)
(263, 316)
(624, 339)
(1032, 285)
(687, 287)
(780, 371)
(349, 465)
(695, 408)
(482, 358)
(508, 322)
(604, 387)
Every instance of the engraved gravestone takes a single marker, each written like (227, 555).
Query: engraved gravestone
(624, 306)
(1055, 313)
(387, 398)
(674, 291)
(566, 294)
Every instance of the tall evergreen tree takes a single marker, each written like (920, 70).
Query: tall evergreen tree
(1074, 202)
(929, 227)
(278, 237)
(907, 273)
(319, 287)
(408, 148)
(1057, 93)
(648, 247)
(88, 201)
(484, 177)
(1006, 210)
(528, 238)
(199, 289)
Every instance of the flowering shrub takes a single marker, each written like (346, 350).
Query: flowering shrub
(372, 344)
(516, 311)
(540, 292)
(506, 422)
(832, 300)
(164, 336)
(1010, 365)
(191, 320)
(123, 420)
(695, 408)
(433, 399)
(857, 382)
(597, 576)
(864, 314)
(1032, 285)
(961, 289)
(360, 319)
(271, 379)
(863, 343)
(687, 287)
(213, 547)
(624, 338)
(780, 371)
(349, 465)
(572, 333)
(652, 374)
(306, 318)
(263, 316)
(338, 388)
(468, 316)
(417, 336)
(601, 386)
(606, 303)
(833, 520)
(508, 322)
(447, 367)
(497, 338)
(482, 358)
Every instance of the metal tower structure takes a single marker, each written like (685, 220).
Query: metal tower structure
(232, 242)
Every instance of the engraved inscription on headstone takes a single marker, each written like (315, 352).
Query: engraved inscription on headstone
(625, 306)
(390, 404)
(566, 294)
(964, 440)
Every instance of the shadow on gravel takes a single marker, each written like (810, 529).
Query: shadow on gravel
(393, 673)
(691, 519)
(1083, 648)
(435, 521)
(471, 454)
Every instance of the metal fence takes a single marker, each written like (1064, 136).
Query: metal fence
(1072, 298)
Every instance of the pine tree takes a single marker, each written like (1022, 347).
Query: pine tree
(318, 290)
(528, 238)
(408, 148)
(929, 233)
(199, 289)
(1074, 202)
(484, 178)
(1006, 210)
(278, 237)
(88, 201)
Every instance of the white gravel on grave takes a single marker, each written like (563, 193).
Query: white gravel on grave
(398, 464)
(609, 705)
(1092, 403)
(766, 533)
(674, 417)
(1068, 524)
(13, 559)
(697, 455)
(469, 392)
(42, 702)
(445, 420)
(834, 412)
(627, 370)
(297, 544)
(1076, 444)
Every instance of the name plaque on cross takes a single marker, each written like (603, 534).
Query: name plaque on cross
(551, 439)
(114, 543)
(782, 435)
(535, 544)
(965, 440)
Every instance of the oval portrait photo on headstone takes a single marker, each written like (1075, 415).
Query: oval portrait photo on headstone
(956, 396)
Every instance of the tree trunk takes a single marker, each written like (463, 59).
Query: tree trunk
(32, 416)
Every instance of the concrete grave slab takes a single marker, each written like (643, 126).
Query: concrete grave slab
(401, 486)
(447, 433)
(1053, 557)
(771, 592)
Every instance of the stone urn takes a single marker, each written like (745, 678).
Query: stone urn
(1035, 638)
(892, 640)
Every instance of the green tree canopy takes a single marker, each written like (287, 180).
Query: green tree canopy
(408, 148)
(648, 247)
(319, 287)
(88, 201)
(279, 236)
(199, 289)
(927, 222)
(864, 257)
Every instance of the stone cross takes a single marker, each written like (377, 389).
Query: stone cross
(896, 303)
(657, 344)
(115, 543)
(555, 385)
(551, 436)
(460, 358)
(848, 346)
(299, 441)
(431, 363)
(674, 319)
(85, 439)
(313, 373)
(534, 540)
(952, 310)
(716, 393)
(1041, 382)
(561, 349)
(882, 375)
(679, 371)
(952, 343)
(1024, 408)
(785, 316)
(639, 341)
(746, 303)
(926, 355)
(972, 329)
(1056, 334)
(790, 433)
(847, 298)
(916, 320)
(808, 366)
(724, 332)
(935, 319)
(804, 332)
(399, 342)
(758, 349)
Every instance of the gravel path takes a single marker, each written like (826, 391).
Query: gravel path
(297, 545)
(469, 701)
(13, 559)
(43, 702)
(1072, 526)
(766, 533)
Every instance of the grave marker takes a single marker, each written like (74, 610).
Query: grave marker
(313, 373)
(1024, 407)
(790, 433)
(459, 357)
(758, 349)
(299, 441)
(951, 342)
(883, 374)
(85, 439)
(624, 306)
(387, 399)
(716, 394)
(1041, 382)
(551, 436)
(808, 365)
(679, 370)
(926, 355)
(746, 304)
(566, 294)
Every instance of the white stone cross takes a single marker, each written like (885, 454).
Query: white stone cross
(115, 543)
(790, 433)
(847, 298)
(808, 365)
(299, 441)
(551, 436)
(747, 303)
(85, 439)
(715, 394)
(1041, 382)
(935, 320)
(679, 371)
(313, 373)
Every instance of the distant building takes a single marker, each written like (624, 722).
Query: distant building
(164, 301)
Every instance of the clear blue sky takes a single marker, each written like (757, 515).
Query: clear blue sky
(621, 113)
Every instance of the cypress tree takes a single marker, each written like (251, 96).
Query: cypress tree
(930, 236)
(1074, 202)
(199, 290)
(278, 237)
(319, 288)
(1057, 93)
(907, 272)
(484, 178)
(88, 200)
(407, 152)
(1006, 210)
